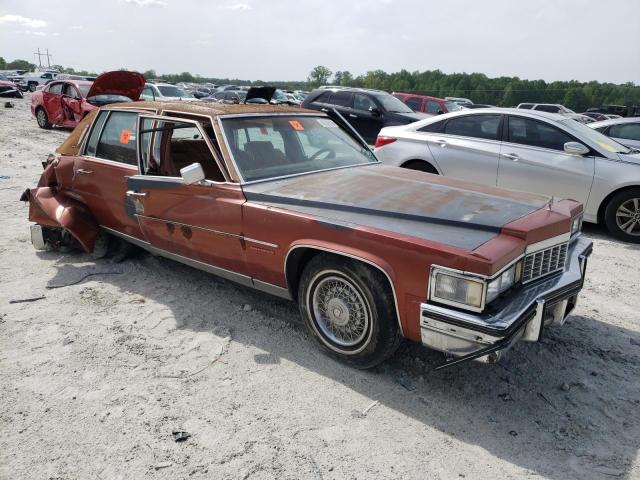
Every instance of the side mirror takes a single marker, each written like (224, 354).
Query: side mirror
(439, 112)
(192, 174)
(575, 148)
(375, 111)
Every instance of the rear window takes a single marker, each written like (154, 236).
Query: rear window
(56, 88)
(342, 99)
(414, 104)
(118, 139)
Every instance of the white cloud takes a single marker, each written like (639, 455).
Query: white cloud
(146, 3)
(202, 42)
(238, 6)
(31, 32)
(55, 34)
(77, 27)
(23, 21)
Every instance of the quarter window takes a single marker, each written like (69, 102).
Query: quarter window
(548, 108)
(92, 142)
(628, 131)
(537, 134)
(476, 126)
(432, 127)
(118, 139)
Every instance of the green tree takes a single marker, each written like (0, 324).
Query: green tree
(319, 76)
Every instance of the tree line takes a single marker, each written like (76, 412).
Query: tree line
(499, 91)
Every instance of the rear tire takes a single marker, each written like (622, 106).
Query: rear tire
(42, 118)
(349, 309)
(421, 166)
(622, 215)
(33, 86)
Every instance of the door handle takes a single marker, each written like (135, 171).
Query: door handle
(512, 156)
(353, 116)
(441, 142)
(82, 171)
(324, 109)
(132, 193)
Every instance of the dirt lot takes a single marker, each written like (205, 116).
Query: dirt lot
(96, 376)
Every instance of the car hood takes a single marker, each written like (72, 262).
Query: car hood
(406, 202)
(120, 82)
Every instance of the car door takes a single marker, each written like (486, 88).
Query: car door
(52, 100)
(71, 105)
(100, 172)
(201, 222)
(533, 159)
(467, 146)
(365, 117)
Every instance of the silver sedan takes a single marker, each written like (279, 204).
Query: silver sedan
(530, 151)
(622, 130)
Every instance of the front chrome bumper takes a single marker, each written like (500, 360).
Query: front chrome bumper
(522, 315)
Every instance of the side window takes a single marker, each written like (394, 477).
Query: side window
(628, 131)
(432, 107)
(414, 103)
(147, 93)
(527, 106)
(537, 134)
(341, 99)
(476, 126)
(56, 89)
(176, 145)
(70, 91)
(92, 142)
(323, 97)
(362, 102)
(435, 127)
(118, 139)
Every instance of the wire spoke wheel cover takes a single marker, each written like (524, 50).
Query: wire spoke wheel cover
(42, 118)
(341, 314)
(628, 217)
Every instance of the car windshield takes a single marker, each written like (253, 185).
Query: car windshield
(392, 104)
(172, 91)
(84, 89)
(595, 137)
(2, 77)
(279, 96)
(283, 145)
(452, 106)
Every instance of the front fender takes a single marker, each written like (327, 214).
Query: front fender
(52, 208)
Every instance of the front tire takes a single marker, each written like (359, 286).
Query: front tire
(33, 86)
(622, 215)
(350, 310)
(42, 118)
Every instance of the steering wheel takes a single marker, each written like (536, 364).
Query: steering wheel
(328, 150)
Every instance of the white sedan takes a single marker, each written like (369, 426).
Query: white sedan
(530, 151)
(622, 130)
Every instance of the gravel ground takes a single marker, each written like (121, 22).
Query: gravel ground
(96, 376)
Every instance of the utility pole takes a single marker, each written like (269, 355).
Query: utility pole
(40, 55)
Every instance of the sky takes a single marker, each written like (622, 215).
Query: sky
(284, 39)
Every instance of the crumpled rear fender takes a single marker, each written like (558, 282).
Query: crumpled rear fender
(54, 209)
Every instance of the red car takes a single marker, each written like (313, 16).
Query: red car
(426, 104)
(64, 103)
(294, 203)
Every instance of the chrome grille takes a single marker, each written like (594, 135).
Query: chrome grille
(543, 262)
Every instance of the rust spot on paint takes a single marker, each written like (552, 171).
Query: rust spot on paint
(171, 228)
(186, 232)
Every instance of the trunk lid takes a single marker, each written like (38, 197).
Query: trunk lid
(120, 82)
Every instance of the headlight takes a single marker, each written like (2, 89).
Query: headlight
(576, 224)
(457, 290)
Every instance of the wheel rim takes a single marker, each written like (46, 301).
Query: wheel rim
(340, 311)
(42, 120)
(628, 217)
(32, 87)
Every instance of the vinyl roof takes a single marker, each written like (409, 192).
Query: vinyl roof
(215, 109)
